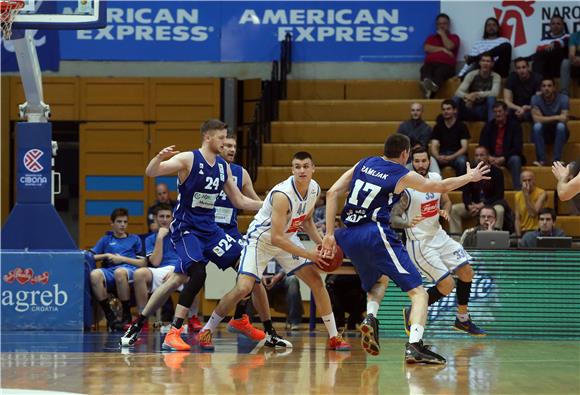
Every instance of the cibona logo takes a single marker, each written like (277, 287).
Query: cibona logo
(31, 161)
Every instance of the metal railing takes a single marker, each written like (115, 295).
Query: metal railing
(266, 111)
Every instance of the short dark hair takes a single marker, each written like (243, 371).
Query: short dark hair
(231, 136)
(211, 125)
(484, 147)
(548, 210)
(520, 59)
(396, 144)
(302, 155)
(161, 207)
(557, 16)
(442, 15)
(488, 207)
(449, 102)
(419, 150)
(549, 79)
(119, 212)
(486, 54)
(500, 104)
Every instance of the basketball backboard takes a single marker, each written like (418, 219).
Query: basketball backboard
(61, 14)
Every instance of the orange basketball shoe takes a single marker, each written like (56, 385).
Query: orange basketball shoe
(337, 343)
(205, 340)
(174, 342)
(243, 326)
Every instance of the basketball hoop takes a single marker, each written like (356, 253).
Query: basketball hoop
(8, 11)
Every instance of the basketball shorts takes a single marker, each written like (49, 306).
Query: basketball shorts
(257, 254)
(234, 232)
(375, 250)
(216, 246)
(109, 273)
(160, 274)
(437, 256)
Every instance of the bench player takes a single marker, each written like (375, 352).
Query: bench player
(375, 185)
(436, 254)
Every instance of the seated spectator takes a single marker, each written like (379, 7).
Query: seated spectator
(550, 114)
(499, 48)
(449, 139)
(570, 66)
(347, 296)
(441, 56)
(119, 252)
(476, 94)
(521, 86)
(417, 130)
(502, 136)
(476, 195)
(547, 220)
(528, 203)
(487, 221)
(162, 193)
(552, 50)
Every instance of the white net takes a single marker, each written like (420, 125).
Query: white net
(8, 11)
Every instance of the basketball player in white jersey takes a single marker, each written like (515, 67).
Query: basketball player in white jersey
(435, 254)
(273, 234)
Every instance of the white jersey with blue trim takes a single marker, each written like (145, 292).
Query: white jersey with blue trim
(424, 204)
(300, 207)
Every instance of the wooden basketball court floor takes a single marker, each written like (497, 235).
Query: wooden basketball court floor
(92, 363)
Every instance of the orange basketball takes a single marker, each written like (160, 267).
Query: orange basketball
(333, 263)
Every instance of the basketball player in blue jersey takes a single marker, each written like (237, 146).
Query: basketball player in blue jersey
(202, 175)
(374, 185)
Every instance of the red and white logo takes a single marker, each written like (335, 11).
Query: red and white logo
(511, 20)
(23, 276)
(31, 160)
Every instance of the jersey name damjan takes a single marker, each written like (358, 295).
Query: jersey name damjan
(195, 209)
(300, 207)
(226, 215)
(424, 204)
(372, 191)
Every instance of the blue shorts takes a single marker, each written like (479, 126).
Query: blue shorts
(234, 232)
(109, 273)
(374, 250)
(193, 246)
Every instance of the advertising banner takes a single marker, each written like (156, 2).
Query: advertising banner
(47, 48)
(42, 290)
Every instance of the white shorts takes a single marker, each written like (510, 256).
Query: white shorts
(159, 276)
(256, 255)
(437, 256)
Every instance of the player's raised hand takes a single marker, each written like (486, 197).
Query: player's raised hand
(167, 152)
(479, 172)
(328, 247)
(560, 171)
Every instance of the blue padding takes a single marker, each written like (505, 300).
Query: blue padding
(105, 207)
(170, 181)
(115, 183)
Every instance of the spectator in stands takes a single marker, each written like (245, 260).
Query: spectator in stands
(476, 94)
(441, 56)
(552, 50)
(346, 296)
(162, 193)
(550, 114)
(119, 252)
(499, 48)
(479, 194)
(528, 203)
(449, 139)
(502, 136)
(571, 65)
(521, 86)
(547, 220)
(418, 132)
(487, 221)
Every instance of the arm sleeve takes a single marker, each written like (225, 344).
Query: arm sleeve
(150, 244)
(99, 248)
(464, 87)
(138, 246)
(465, 132)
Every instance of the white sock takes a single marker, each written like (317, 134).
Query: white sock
(213, 322)
(330, 324)
(416, 333)
(463, 317)
(372, 308)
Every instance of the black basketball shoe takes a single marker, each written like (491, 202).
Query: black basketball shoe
(276, 341)
(131, 336)
(419, 353)
(369, 330)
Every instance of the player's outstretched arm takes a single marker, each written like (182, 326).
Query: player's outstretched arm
(167, 161)
(340, 187)
(238, 200)
(566, 189)
(422, 184)
(248, 186)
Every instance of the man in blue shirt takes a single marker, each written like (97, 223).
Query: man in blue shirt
(119, 252)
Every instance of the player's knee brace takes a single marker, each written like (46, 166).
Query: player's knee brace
(196, 281)
(463, 290)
